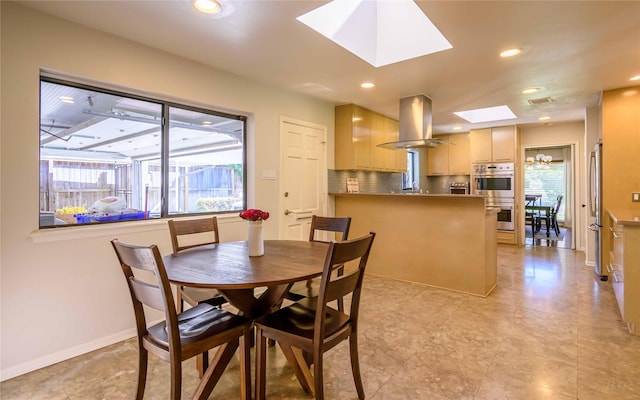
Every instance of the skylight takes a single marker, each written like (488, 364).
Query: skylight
(381, 32)
(488, 114)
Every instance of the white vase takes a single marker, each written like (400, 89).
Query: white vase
(256, 243)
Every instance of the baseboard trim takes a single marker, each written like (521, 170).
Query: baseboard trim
(63, 355)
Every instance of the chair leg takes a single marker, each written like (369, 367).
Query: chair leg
(245, 365)
(261, 365)
(176, 378)
(341, 304)
(179, 299)
(205, 361)
(355, 364)
(143, 357)
(318, 380)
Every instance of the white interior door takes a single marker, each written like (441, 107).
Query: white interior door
(304, 176)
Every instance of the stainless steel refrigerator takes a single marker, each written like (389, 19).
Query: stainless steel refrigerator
(595, 204)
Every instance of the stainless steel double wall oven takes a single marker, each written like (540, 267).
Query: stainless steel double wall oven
(497, 181)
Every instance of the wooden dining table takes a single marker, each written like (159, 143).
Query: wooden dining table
(532, 199)
(228, 268)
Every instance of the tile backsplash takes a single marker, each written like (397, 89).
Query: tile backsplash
(440, 184)
(387, 182)
(368, 182)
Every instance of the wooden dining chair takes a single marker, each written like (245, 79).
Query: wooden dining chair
(312, 326)
(180, 336)
(340, 225)
(186, 234)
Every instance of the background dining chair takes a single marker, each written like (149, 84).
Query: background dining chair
(180, 336)
(554, 215)
(530, 219)
(186, 234)
(301, 290)
(551, 221)
(311, 326)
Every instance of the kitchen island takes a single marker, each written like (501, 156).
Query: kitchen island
(442, 240)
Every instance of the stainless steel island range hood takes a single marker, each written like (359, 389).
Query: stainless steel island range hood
(415, 125)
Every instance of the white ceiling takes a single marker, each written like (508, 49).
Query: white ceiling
(572, 49)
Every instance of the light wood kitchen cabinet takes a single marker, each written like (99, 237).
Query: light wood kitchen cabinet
(438, 158)
(376, 133)
(459, 154)
(395, 160)
(480, 141)
(503, 144)
(493, 144)
(358, 132)
(450, 159)
(352, 141)
(624, 265)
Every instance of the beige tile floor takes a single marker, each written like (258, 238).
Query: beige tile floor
(551, 330)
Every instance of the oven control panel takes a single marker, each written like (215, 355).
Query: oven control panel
(490, 169)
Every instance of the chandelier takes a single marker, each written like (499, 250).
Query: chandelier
(540, 161)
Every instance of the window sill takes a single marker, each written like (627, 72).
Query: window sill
(110, 230)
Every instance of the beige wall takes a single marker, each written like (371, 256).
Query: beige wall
(620, 153)
(562, 134)
(62, 291)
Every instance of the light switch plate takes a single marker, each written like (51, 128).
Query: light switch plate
(269, 174)
(635, 196)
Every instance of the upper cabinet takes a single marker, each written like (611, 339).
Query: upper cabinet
(394, 160)
(450, 159)
(493, 144)
(358, 133)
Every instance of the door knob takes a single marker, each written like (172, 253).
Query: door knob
(287, 212)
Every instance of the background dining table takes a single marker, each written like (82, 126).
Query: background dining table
(546, 211)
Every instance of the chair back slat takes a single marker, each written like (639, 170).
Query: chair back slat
(350, 250)
(181, 230)
(136, 257)
(329, 224)
(147, 294)
(343, 285)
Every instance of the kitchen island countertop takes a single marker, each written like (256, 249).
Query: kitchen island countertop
(625, 216)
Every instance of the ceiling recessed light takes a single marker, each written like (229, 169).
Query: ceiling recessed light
(488, 114)
(206, 123)
(510, 53)
(544, 118)
(367, 85)
(530, 90)
(67, 99)
(456, 128)
(635, 78)
(207, 6)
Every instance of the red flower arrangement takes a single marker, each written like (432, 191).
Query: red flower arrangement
(254, 214)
